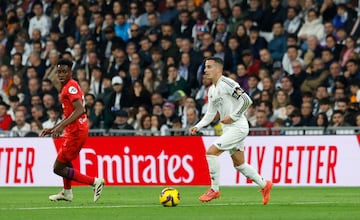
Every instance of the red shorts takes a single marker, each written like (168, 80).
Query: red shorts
(71, 147)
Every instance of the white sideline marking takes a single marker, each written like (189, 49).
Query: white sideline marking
(151, 206)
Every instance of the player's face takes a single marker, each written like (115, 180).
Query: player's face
(211, 68)
(63, 74)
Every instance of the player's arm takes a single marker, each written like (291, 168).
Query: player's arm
(244, 103)
(78, 111)
(207, 119)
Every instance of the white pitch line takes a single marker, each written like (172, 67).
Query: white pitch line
(151, 206)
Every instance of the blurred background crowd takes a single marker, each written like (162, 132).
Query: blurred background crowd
(140, 63)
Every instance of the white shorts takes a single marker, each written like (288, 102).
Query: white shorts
(232, 139)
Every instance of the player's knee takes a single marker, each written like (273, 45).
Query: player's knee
(213, 150)
(59, 171)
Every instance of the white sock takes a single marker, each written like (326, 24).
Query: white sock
(214, 169)
(249, 171)
(67, 192)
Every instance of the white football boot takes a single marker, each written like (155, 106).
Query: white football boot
(98, 187)
(61, 196)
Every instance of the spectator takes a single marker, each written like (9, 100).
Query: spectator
(5, 118)
(184, 24)
(292, 23)
(242, 77)
(177, 129)
(279, 103)
(267, 60)
(316, 77)
(321, 120)
(325, 106)
(333, 46)
(313, 26)
(257, 42)
(232, 55)
(65, 21)
(6, 79)
(117, 99)
(344, 18)
(51, 70)
(252, 64)
(17, 66)
(145, 126)
(306, 114)
(292, 54)
(168, 115)
(276, 13)
(150, 81)
(352, 70)
(49, 101)
(262, 122)
(141, 111)
(173, 82)
(253, 90)
(299, 74)
(155, 125)
(337, 121)
(138, 95)
(40, 21)
(38, 114)
(219, 49)
(328, 57)
(320, 93)
(134, 13)
(120, 121)
(150, 7)
(54, 117)
(355, 91)
(96, 86)
(350, 46)
(276, 46)
(255, 11)
(312, 51)
(21, 127)
(89, 103)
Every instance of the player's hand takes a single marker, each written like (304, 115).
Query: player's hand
(57, 131)
(227, 120)
(46, 131)
(193, 130)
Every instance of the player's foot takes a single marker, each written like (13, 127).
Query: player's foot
(61, 196)
(209, 195)
(98, 188)
(266, 192)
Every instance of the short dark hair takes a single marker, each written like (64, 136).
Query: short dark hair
(216, 60)
(65, 62)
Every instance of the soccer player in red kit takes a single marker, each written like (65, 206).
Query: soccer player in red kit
(75, 127)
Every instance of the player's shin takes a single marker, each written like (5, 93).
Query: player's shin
(249, 171)
(214, 168)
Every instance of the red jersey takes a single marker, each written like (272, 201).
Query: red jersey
(70, 92)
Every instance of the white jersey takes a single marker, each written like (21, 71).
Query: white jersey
(229, 99)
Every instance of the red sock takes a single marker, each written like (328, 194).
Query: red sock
(78, 177)
(67, 183)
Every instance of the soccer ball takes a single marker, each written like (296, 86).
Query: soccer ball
(169, 197)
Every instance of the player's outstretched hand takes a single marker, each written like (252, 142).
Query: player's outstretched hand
(193, 130)
(46, 131)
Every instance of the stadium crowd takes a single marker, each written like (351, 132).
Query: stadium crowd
(140, 63)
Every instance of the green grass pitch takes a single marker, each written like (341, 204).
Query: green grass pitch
(143, 203)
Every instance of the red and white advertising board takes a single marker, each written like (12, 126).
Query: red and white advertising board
(287, 160)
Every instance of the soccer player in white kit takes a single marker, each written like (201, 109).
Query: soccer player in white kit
(227, 98)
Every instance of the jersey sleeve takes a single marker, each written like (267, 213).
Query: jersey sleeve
(73, 92)
(209, 115)
(236, 92)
